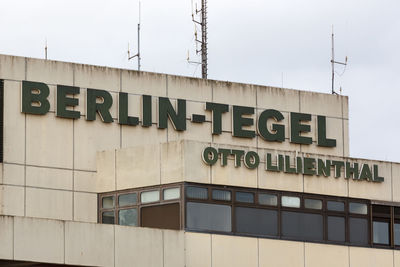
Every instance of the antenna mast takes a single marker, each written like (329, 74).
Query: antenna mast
(333, 62)
(138, 36)
(204, 40)
(45, 50)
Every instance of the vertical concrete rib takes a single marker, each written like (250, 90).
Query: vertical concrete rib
(26, 75)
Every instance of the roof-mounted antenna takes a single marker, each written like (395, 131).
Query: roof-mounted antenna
(203, 41)
(333, 62)
(45, 49)
(138, 53)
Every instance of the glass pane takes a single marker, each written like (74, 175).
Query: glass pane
(127, 199)
(165, 216)
(381, 209)
(245, 197)
(358, 231)
(336, 229)
(267, 199)
(335, 205)
(291, 202)
(256, 221)
(196, 192)
(302, 226)
(397, 211)
(315, 204)
(108, 202)
(128, 217)
(221, 195)
(172, 193)
(212, 217)
(381, 232)
(108, 217)
(150, 196)
(397, 234)
(358, 208)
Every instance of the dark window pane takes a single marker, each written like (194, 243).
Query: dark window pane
(291, 202)
(161, 216)
(108, 217)
(267, 199)
(358, 231)
(196, 192)
(336, 229)
(315, 204)
(201, 216)
(381, 232)
(397, 211)
(397, 234)
(256, 221)
(380, 209)
(221, 195)
(127, 199)
(108, 202)
(358, 208)
(127, 217)
(303, 226)
(335, 205)
(245, 197)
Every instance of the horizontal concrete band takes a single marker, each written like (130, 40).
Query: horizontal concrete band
(63, 242)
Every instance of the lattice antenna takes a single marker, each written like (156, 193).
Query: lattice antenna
(204, 41)
(138, 40)
(333, 62)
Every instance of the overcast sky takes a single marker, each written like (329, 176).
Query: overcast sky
(281, 42)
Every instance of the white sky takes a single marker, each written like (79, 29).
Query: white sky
(253, 41)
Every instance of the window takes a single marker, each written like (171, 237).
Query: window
(381, 224)
(245, 197)
(255, 212)
(127, 199)
(124, 207)
(108, 202)
(304, 226)
(150, 196)
(336, 228)
(108, 217)
(291, 202)
(195, 192)
(335, 205)
(211, 217)
(221, 195)
(171, 193)
(358, 228)
(267, 199)
(256, 221)
(128, 217)
(358, 208)
(314, 204)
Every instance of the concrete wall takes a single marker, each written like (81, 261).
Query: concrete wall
(54, 241)
(50, 168)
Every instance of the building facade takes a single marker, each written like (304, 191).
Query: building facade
(113, 167)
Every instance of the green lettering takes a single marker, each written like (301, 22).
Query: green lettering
(123, 117)
(210, 155)
(278, 130)
(377, 178)
(238, 156)
(352, 171)
(63, 102)
(217, 110)
(40, 99)
(224, 155)
(251, 160)
(322, 140)
(165, 111)
(297, 128)
(102, 108)
(324, 168)
(309, 166)
(146, 111)
(239, 121)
